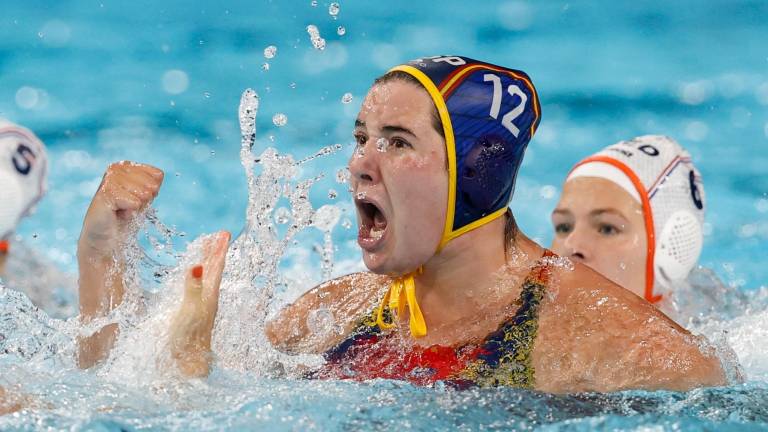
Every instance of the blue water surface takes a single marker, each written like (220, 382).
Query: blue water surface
(159, 82)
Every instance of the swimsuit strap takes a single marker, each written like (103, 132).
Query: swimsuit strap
(506, 354)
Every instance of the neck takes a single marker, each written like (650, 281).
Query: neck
(467, 271)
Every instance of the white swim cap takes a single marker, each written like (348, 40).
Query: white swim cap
(657, 172)
(23, 170)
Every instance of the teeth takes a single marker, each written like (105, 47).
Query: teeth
(376, 233)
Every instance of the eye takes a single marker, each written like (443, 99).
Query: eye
(563, 228)
(360, 139)
(608, 230)
(399, 143)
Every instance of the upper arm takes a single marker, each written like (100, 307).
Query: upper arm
(597, 336)
(325, 315)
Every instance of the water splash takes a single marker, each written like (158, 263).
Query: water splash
(314, 36)
(343, 175)
(249, 107)
(270, 52)
(334, 9)
(280, 119)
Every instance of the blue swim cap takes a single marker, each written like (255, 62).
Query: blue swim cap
(489, 114)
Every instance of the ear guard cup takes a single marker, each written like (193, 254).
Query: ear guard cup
(487, 176)
(679, 246)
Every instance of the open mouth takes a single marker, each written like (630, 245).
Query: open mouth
(373, 224)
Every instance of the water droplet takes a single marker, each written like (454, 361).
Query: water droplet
(341, 31)
(282, 215)
(346, 223)
(623, 266)
(213, 152)
(320, 321)
(207, 95)
(361, 195)
(326, 217)
(249, 106)
(359, 152)
(270, 52)
(178, 174)
(265, 66)
(314, 35)
(292, 85)
(382, 144)
(332, 194)
(347, 98)
(333, 9)
(34, 235)
(280, 119)
(313, 3)
(343, 175)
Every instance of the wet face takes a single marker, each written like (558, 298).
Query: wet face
(599, 224)
(399, 178)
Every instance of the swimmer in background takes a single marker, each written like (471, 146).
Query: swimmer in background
(456, 292)
(634, 212)
(23, 174)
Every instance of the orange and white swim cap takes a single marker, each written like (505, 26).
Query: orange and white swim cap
(23, 172)
(657, 172)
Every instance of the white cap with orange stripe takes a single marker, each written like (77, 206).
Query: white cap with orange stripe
(657, 172)
(23, 171)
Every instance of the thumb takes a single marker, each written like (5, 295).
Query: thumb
(193, 285)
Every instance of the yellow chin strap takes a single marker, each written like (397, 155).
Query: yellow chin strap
(402, 292)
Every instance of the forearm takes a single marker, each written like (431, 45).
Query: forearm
(101, 290)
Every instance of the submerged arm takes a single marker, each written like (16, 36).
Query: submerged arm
(346, 300)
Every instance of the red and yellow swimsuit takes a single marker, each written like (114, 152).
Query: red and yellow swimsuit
(502, 358)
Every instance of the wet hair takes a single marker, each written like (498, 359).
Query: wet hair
(510, 226)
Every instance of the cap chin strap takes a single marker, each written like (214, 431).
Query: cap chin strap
(402, 293)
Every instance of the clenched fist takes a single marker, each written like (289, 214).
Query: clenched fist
(126, 189)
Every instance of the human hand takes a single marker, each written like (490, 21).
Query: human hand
(192, 326)
(126, 189)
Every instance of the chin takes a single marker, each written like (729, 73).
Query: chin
(374, 263)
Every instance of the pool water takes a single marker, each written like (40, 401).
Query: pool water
(160, 83)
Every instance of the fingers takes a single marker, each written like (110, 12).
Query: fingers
(193, 285)
(214, 258)
(129, 186)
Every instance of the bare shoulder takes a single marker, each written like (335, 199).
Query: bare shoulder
(340, 303)
(597, 336)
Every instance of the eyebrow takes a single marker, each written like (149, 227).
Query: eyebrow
(600, 212)
(388, 128)
(561, 211)
(395, 128)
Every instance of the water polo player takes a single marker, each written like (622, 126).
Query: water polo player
(634, 212)
(455, 291)
(23, 170)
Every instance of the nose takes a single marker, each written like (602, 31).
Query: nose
(364, 165)
(577, 247)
